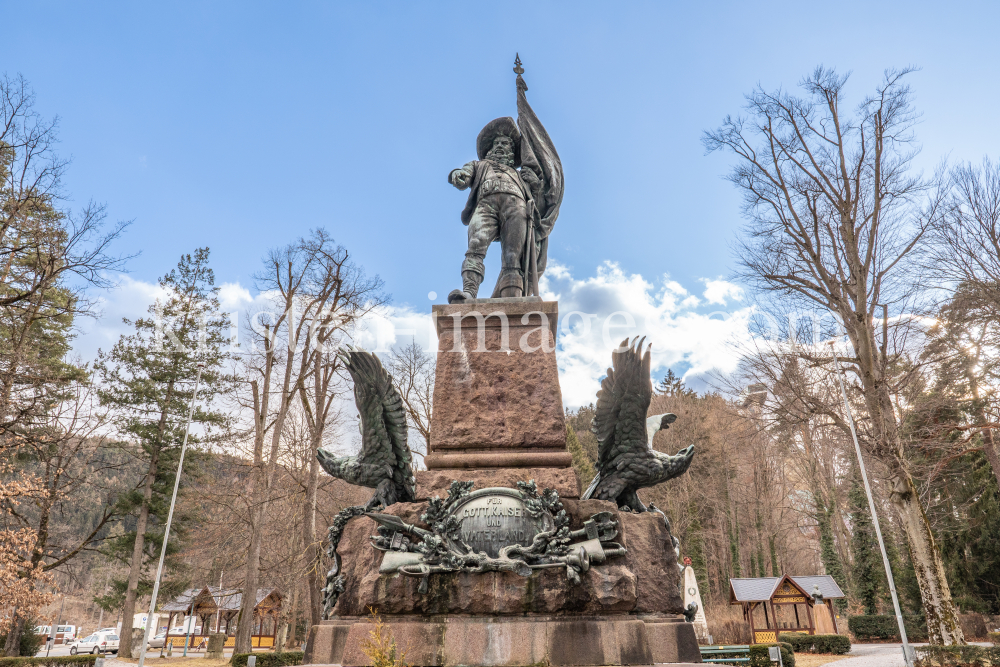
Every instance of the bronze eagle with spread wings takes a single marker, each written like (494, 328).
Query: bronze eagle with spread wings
(384, 460)
(626, 461)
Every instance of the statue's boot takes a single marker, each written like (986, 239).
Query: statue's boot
(511, 283)
(470, 288)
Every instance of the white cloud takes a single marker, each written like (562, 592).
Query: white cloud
(596, 313)
(718, 291)
(130, 299)
(681, 333)
(233, 296)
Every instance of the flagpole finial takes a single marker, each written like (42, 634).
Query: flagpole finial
(517, 65)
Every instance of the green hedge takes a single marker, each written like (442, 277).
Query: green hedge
(884, 627)
(958, 656)
(267, 659)
(803, 643)
(53, 661)
(759, 656)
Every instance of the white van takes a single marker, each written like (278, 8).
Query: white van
(63, 635)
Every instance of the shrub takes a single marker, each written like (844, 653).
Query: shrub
(993, 637)
(266, 659)
(957, 656)
(884, 627)
(380, 647)
(759, 656)
(53, 661)
(803, 643)
(30, 642)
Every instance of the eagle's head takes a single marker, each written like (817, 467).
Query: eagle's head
(667, 420)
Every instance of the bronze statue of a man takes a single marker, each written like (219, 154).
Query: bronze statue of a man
(516, 189)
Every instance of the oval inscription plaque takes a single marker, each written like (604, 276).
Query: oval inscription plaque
(494, 518)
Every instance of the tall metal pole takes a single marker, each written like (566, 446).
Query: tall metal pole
(170, 518)
(55, 628)
(907, 654)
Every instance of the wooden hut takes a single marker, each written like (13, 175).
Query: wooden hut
(217, 609)
(772, 605)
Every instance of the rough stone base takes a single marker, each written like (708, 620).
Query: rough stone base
(646, 580)
(511, 642)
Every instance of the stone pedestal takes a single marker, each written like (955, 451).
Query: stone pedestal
(646, 580)
(497, 402)
(498, 419)
(624, 612)
(511, 642)
(498, 415)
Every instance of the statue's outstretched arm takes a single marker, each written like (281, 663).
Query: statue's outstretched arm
(462, 178)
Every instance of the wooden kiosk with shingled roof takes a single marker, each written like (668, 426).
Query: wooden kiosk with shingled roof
(772, 605)
(219, 607)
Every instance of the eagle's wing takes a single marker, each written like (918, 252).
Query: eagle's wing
(383, 420)
(622, 403)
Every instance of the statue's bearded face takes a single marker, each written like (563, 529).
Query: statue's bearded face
(502, 151)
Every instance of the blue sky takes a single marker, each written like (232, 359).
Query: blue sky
(240, 125)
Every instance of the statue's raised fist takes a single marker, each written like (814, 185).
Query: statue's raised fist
(459, 178)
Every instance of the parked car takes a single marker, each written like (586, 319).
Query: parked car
(157, 641)
(99, 642)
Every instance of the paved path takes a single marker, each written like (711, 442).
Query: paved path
(878, 655)
(874, 655)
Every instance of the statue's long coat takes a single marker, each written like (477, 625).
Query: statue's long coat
(541, 175)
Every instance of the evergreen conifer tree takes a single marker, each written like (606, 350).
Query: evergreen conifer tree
(147, 380)
(581, 462)
(734, 544)
(828, 549)
(694, 545)
(907, 587)
(868, 575)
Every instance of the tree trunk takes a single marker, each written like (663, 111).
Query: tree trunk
(989, 443)
(990, 450)
(262, 501)
(942, 618)
(244, 628)
(292, 616)
(313, 545)
(12, 648)
(135, 567)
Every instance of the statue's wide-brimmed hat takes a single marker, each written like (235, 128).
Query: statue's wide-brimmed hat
(505, 127)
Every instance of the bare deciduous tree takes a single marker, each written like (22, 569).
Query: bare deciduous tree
(48, 257)
(834, 212)
(62, 462)
(318, 293)
(412, 371)
(964, 249)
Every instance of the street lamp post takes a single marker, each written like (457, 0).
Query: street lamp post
(170, 518)
(907, 649)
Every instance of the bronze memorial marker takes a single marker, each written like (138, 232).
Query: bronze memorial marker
(492, 556)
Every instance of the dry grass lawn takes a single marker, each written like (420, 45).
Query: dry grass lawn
(174, 661)
(812, 660)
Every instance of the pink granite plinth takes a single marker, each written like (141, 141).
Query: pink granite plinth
(496, 386)
(432, 483)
